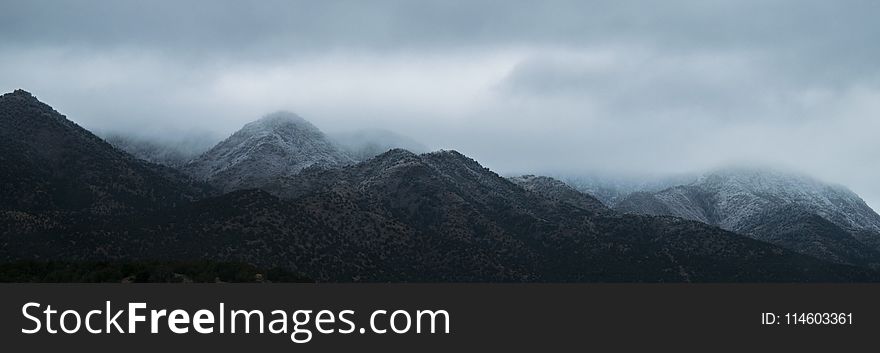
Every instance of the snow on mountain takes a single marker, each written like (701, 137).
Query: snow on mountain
(793, 210)
(731, 197)
(279, 144)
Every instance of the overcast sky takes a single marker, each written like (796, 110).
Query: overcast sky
(611, 87)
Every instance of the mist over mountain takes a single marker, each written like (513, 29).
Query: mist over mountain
(559, 191)
(171, 152)
(279, 144)
(598, 86)
(367, 143)
(178, 150)
(614, 189)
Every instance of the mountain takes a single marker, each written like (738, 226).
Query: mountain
(49, 164)
(788, 209)
(368, 143)
(279, 144)
(558, 191)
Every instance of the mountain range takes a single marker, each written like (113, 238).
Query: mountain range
(279, 193)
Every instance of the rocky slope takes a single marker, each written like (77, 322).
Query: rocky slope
(279, 144)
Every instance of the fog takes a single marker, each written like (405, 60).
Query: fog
(623, 88)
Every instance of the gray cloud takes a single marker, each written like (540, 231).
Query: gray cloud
(613, 87)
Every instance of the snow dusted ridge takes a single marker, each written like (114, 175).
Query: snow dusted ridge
(794, 211)
(731, 198)
(279, 144)
(742, 192)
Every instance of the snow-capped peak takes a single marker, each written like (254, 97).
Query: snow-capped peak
(277, 145)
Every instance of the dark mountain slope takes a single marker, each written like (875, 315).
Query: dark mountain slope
(798, 229)
(50, 164)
